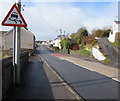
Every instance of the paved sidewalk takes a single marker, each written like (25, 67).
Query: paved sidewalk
(38, 82)
(93, 66)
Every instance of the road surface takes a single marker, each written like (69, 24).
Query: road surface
(88, 84)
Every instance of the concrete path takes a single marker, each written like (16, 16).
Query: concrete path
(40, 82)
(93, 66)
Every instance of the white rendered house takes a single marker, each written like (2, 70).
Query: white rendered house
(116, 28)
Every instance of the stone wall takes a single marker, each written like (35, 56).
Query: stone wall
(7, 71)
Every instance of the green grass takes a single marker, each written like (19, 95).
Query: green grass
(107, 60)
(82, 52)
(88, 46)
(116, 44)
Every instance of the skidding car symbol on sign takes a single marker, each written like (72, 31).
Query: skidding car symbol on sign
(14, 17)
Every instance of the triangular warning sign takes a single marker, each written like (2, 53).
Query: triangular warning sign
(14, 18)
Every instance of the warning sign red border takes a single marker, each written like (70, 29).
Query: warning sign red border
(19, 25)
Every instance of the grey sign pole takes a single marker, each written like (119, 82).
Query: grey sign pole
(17, 50)
(14, 36)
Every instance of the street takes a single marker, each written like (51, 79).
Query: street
(88, 84)
(59, 49)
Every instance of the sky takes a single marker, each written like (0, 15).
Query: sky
(45, 18)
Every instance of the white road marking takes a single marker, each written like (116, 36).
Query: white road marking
(116, 79)
(84, 67)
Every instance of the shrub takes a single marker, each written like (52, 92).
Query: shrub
(55, 48)
(94, 42)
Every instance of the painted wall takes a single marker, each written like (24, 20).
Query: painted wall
(57, 43)
(116, 28)
(97, 54)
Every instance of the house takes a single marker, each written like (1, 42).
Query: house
(56, 42)
(116, 28)
(44, 43)
(2, 42)
(27, 39)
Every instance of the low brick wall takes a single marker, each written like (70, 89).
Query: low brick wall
(7, 71)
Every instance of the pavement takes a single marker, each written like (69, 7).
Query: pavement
(39, 82)
(88, 83)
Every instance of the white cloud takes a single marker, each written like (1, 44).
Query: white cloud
(4, 8)
(44, 19)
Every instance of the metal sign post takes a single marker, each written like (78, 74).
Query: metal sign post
(15, 18)
(14, 35)
(17, 47)
(17, 55)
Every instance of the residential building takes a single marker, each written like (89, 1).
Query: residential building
(116, 29)
(27, 39)
(2, 42)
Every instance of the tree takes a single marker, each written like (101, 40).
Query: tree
(65, 43)
(80, 34)
(106, 32)
(97, 32)
(101, 32)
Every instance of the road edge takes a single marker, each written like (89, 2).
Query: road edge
(78, 97)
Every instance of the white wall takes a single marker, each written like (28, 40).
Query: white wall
(97, 54)
(57, 43)
(111, 37)
(116, 28)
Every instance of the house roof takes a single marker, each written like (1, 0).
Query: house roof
(2, 32)
(117, 22)
(8, 32)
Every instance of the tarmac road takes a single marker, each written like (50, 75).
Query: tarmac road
(88, 84)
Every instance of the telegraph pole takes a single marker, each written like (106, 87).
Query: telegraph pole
(61, 33)
(17, 49)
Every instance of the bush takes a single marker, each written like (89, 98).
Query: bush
(94, 42)
(117, 37)
(55, 48)
(117, 40)
(107, 60)
(87, 40)
(65, 43)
